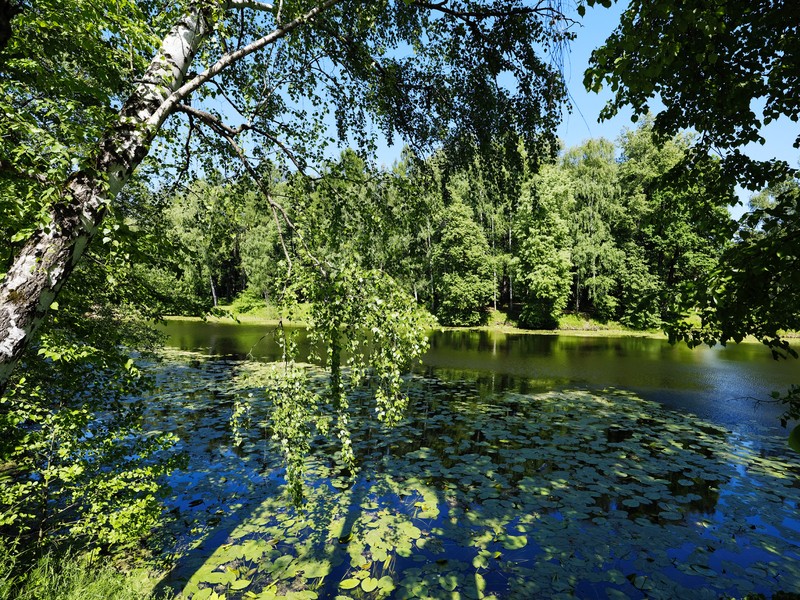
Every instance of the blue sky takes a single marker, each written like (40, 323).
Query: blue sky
(582, 123)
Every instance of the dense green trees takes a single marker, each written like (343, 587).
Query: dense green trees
(616, 232)
(542, 263)
(88, 89)
(592, 170)
(743, 73)
(676, 221)
(461, 265)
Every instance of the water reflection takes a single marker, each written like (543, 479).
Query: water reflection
(719, 384)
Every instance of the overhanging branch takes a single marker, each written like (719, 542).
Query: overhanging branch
(232, 57)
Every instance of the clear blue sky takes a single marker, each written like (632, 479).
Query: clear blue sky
(581, 124)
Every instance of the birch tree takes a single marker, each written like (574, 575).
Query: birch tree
(88, 88)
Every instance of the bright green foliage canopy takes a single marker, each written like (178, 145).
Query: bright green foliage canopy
(723, 69)
(463, 280)
(674, 219)
(592, 169)
(543, 264)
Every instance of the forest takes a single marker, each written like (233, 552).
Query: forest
(610, 231)
(213, 159)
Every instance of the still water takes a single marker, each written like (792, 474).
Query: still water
(528, 466)
(722, 385)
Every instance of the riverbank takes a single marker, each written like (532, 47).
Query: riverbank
(498, 322)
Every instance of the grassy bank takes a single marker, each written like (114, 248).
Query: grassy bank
(261, 315)
(70, 577)
(498, 321)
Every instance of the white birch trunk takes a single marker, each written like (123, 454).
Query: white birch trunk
(51, 253)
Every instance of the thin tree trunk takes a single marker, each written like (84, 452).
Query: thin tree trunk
(494, 266)
(213, 290)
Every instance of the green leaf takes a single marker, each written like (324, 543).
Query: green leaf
(794, 439)
(513, 542)
(349, 584)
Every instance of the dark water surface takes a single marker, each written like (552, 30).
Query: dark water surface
(528, 466)
(722, 384)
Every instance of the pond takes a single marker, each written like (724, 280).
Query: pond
(528, 466)
(721, 384)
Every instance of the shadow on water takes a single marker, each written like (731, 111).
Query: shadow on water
(488, 489)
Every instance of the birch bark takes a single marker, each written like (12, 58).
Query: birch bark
(51, 253)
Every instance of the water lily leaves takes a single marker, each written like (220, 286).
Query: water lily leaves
(316, 569)
(386, 584)
(219, 577)
(240, 584)
(670, 515)
(349, 584)
(408, 530)
(204, 594)
(702, 570)
(370, 584)
(534, 476)
(641, 582)
(481, 561)
(794, 439)
(279, 565)
(301, 595)
(449, 581)
(513, 542)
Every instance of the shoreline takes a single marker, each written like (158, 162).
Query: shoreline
(495, 328)
(244, 319)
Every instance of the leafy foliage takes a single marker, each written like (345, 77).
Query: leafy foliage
(706, 63)
(77, 469)
(748, 270)
(543, 259)
(460, 260)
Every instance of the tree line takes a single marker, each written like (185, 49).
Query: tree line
(613, 231)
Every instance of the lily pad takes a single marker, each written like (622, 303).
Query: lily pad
(349, 584)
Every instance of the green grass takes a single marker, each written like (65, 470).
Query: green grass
(580, 322)
(501, 320)
(258, 315)
(69, 577)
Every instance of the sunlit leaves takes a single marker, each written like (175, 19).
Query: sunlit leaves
(707, 64)
(463, 282)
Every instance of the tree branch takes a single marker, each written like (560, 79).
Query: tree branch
(228, 59)
(229, 134)
(489, 13)
(251, 4)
